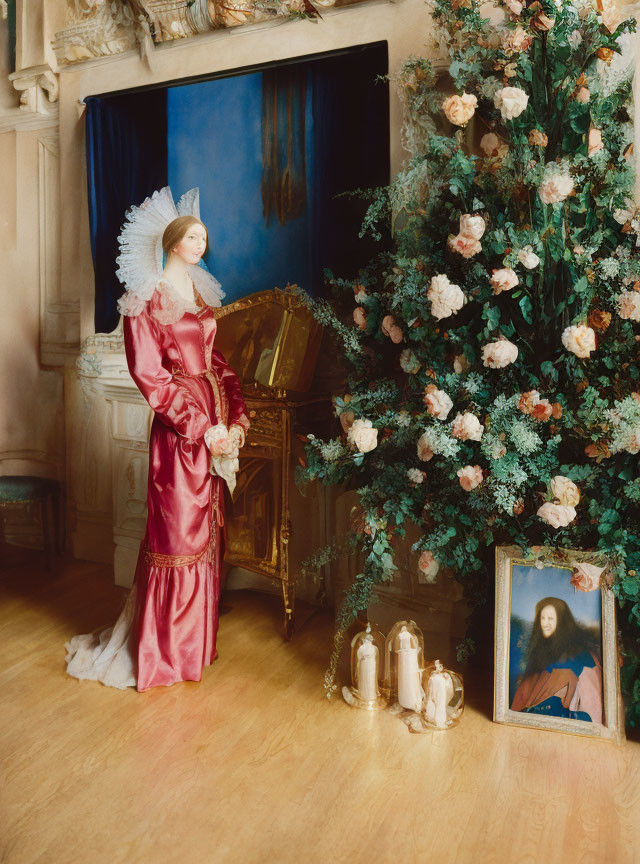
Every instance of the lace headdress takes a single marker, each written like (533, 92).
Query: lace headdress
(140, 261)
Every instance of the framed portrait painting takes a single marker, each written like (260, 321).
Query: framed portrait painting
(556, 657)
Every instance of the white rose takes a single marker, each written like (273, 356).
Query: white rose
(528, 258)
(586, 577)
(575, 39)
(557, 515)
(428, 567)
(580, 340)
(629, 305)
(363, 436)
(437, 402)
(565, 491)
(460, 364)
(414, 475)
(467, 427)
(464, 245)
(445, 297)
(497, 355)
(504, 280)
(514, 6)
(511, 102)
(556, 185)
(472, 226)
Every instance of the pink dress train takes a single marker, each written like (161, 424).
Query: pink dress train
(173, 610)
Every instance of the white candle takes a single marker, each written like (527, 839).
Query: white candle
(368, 671)
(410, 692)
(439, 693)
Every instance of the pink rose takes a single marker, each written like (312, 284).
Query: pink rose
(428, 566)
(504, 280)
(467, 427)
(587, 577)
(472, 226)
(583, 95)
(465, 246)
(437, 402)
(557, 515)
(470, 477)
(629, 305)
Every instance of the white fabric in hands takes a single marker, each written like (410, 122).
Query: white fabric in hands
(106, 656)
(224, 445)
(140, 262)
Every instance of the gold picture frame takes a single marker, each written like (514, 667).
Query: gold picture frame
(541, 573)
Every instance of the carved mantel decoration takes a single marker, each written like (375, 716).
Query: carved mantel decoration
(100, 27)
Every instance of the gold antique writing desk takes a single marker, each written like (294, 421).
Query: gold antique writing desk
(271, 342)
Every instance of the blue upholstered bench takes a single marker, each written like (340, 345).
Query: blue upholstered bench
(30, 493)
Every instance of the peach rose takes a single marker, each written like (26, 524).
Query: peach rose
(497, 355)
(514, 6)
(360, 318)
(556, 185)
(470, 477)
(556, 410)
(493, 146)
(460, 109)
(425, 453)
(428, 566)
(583, 95)
(359, 292)
(557, 515)
(599, 319)
(595, 141)
(467, 427)
(528, 401)
(363, 435)
(537, 138)
(465, 246)
(586, 577)
(346, 420)
(472, 226)
(437, 402)
(504, 280)
(542, 411)
(445, 297)
(565, 490)
(516, 40)
(511, 102)
(580, 340)
(391, 329)
(629, 305)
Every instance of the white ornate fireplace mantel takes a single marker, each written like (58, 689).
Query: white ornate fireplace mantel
(105, 379)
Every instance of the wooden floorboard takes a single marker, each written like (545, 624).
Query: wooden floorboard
(254, 764)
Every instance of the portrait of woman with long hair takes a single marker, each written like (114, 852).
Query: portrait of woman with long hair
(563, 672)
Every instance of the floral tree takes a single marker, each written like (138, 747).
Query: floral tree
(493, 345)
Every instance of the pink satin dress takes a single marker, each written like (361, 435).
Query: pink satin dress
(190, 388)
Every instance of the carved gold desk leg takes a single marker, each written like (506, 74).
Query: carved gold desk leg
(289, 596)
(288, 586)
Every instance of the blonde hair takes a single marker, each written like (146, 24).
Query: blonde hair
(175, 231)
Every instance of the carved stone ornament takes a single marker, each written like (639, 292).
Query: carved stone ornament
(38, 88)
(101, 27)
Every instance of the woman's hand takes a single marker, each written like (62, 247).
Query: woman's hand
(218, 440)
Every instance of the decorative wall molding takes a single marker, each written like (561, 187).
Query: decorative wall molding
(101, 29)
(38, 89)
(59, 318)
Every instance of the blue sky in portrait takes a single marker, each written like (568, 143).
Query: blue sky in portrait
(530, 585)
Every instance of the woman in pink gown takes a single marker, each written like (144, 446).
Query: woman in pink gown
(167, 631)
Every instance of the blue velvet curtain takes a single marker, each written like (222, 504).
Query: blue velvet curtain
(350, 151)
(126, 145)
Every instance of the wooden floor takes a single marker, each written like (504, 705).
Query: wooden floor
(254, 764)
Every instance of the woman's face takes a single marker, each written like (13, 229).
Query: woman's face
(548, 621)
(191, 247)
